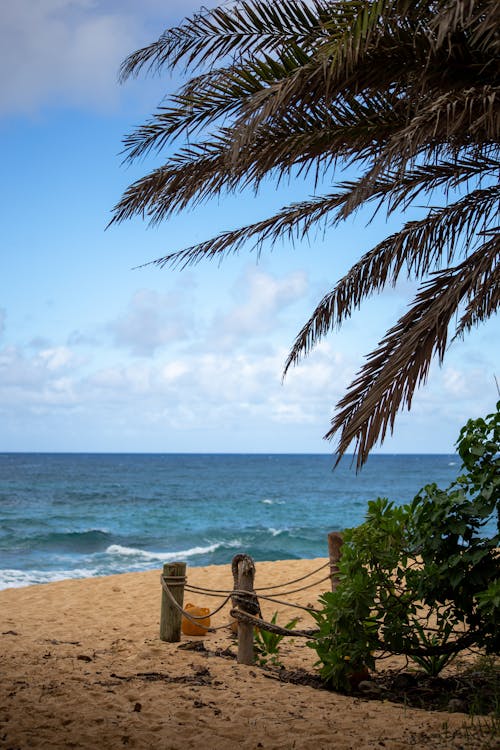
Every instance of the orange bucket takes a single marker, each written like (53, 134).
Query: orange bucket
(190, 628)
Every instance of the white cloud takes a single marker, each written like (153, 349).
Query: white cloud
(453, 394)
(45, 378)
(189, 393)
(174, 371)
(151, 321)
(57, 358)
(217, 401)
(77, 338)
(195, 390)
(454, 382)
(64, 51)
(218, 391)
(69, 51)
(262, 300)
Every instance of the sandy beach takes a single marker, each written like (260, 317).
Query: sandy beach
(82, 666)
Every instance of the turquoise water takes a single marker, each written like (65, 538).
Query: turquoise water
(78, 515)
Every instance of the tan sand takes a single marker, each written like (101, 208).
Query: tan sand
(81, 666)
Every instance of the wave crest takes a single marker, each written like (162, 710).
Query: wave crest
(120, 550)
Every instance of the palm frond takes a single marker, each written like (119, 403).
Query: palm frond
(401, 59)
(191, 176)
(430, 136)
(484, 302)
(291, 222)
(419, 247)
(208, 98)
(399, 190)
(477, 18)
(213, 34)
(402, 360)
(406, 92)
(313, 138)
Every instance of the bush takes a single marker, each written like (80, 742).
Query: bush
(422, 580)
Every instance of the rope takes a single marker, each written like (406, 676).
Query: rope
(297, 580)
(216, 592)
(213, 612)
(187, 615)
(209, 592)
(206, 592)
(174, 580)
(247, 598)
(295, 591)
(269, 626)
(237, 614)
(288, 604)
(212, 592)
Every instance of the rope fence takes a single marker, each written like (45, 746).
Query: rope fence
(245, 598)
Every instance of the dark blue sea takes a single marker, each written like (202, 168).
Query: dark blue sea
(79, 515)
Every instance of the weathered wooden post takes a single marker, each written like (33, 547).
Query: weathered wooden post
(335, 543)
(246, 575)
(243, 577)
(173, 576)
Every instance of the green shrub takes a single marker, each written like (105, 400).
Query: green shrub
(267, 645)
(422, 579)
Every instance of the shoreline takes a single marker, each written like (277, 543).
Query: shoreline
(174, 558)
(82, 666)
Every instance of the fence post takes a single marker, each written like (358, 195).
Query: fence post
(246, 574)
(335, 543)
(174, 574)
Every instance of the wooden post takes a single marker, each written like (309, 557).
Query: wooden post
(246, 574)
(174, 574)
(335, 543)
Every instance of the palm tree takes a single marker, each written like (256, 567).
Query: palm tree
(406, 93)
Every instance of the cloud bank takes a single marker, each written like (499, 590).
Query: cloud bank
(68, 52)
(215, 386)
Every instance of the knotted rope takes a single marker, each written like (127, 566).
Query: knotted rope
(245, 599)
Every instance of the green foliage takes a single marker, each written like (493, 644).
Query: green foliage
(420, 579)
(267, 645)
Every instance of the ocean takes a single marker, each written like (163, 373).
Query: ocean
(81, 515)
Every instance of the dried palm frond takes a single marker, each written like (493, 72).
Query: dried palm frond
(211, 34)
(402, 360)
(419, 247)
(405, 91)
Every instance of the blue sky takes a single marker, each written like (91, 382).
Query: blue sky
(96, 355)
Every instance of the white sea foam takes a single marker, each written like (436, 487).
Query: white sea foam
(268, 501)
(118, 549)
(275, 532)
(137, 559)
(230, 545)
(14, 579)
